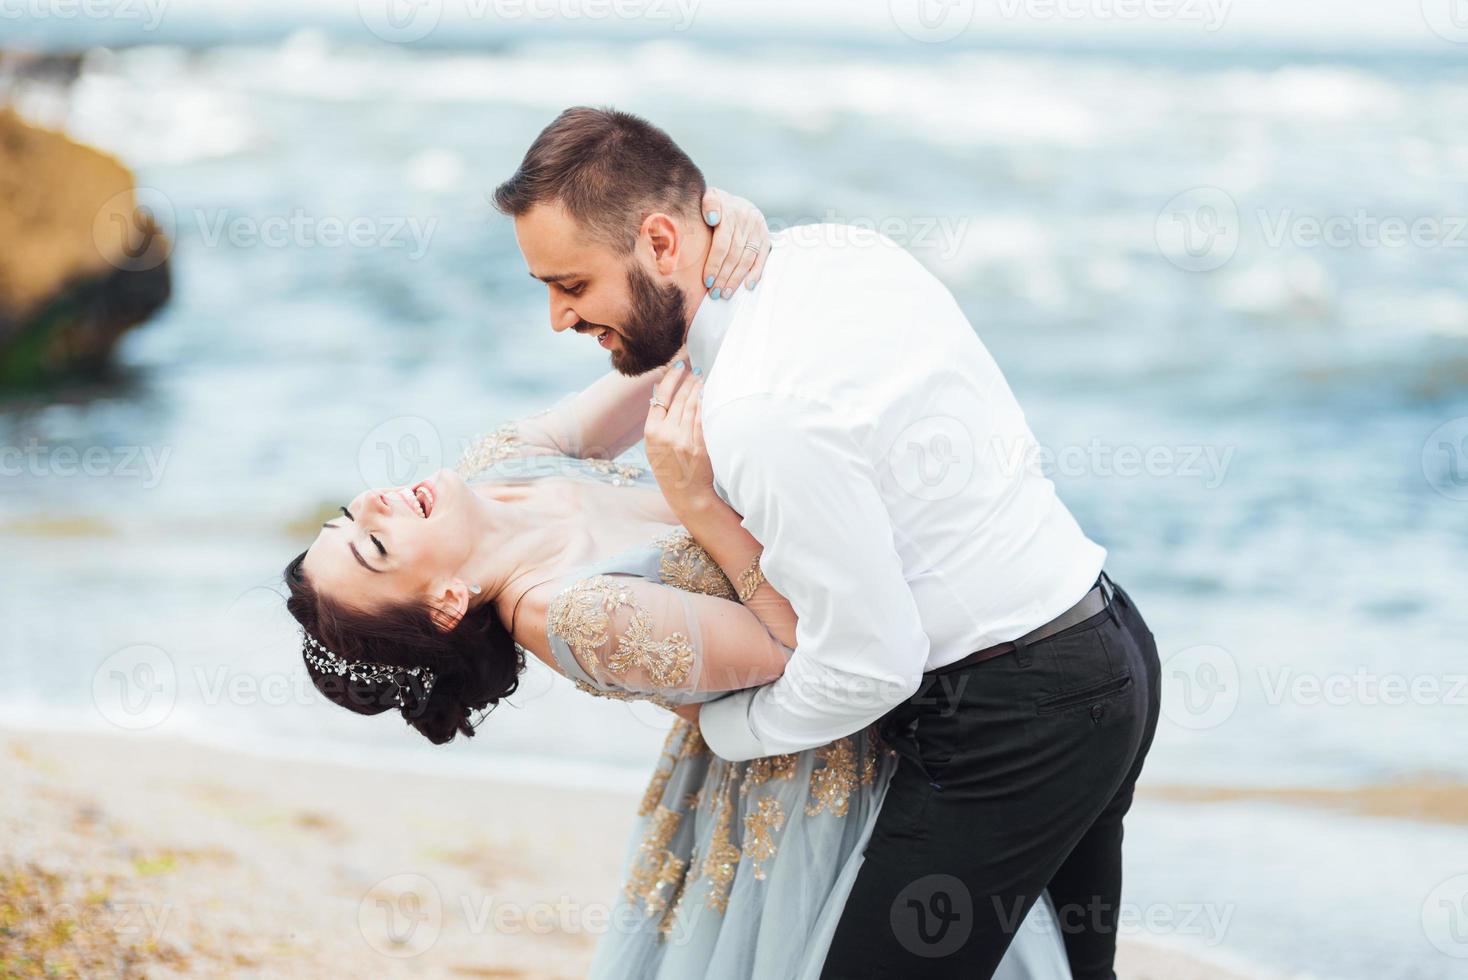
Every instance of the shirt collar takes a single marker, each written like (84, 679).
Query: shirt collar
(711, 323)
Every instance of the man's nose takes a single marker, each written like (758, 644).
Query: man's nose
(562, 317)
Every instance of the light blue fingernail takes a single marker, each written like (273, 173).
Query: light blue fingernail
(698, 370)
(708, 282)
(715, 294)
(712, 218)
(678, 363)
(752, 283)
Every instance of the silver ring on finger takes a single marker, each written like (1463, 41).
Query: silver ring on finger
(752, 247)
(653, 401)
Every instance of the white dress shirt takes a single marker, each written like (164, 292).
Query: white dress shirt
(871, 444)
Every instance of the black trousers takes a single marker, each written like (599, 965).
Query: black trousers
(1014, 776)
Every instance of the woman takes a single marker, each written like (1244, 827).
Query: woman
(428, 598)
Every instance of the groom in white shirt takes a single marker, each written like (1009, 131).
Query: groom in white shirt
(873, 447)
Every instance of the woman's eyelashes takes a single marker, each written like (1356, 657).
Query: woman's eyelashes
(372, 537)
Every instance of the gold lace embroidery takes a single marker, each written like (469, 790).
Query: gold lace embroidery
(616, 473)
(661, 881)
(672, 750)
(687, 566)
(581, 615)
(667, 888)
(657, 868)
(870, 753)
(693, 743)
(750, 579)
(487, 450)
(723, 856)
(597, 692)
(760, 771)
(683, 892)
(760, 825)
(831, 784)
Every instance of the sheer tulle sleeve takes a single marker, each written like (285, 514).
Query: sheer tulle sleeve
(634, 635)
(554, 431)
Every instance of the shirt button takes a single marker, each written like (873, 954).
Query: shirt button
(1097, 710)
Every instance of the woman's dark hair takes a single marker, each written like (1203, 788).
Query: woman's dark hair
(474, 665)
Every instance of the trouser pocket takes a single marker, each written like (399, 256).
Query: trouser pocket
(1091, 694)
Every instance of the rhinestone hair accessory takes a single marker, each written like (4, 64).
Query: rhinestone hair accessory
(367, 671)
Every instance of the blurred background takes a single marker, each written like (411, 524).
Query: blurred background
(248, 266)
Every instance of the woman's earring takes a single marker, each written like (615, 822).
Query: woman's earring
(474, 589)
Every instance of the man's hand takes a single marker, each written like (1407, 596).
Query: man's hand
(736, 223)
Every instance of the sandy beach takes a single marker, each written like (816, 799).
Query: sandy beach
(131, 857)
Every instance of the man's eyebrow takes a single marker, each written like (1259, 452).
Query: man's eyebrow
(558, 277)
(362, 561)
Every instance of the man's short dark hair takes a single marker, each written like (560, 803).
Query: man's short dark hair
(609, 170)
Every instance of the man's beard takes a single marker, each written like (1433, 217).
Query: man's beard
(654, 326)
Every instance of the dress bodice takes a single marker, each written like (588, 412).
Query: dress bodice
(611, 638)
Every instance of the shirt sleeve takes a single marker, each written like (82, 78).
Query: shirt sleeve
(809, 494)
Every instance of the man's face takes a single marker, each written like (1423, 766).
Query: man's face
(618, 299)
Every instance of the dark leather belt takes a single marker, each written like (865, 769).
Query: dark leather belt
(1093, 603)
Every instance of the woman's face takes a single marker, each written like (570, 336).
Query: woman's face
(395, 546)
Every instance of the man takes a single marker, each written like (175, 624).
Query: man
(873, 447)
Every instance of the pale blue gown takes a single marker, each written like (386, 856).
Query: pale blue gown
(734, 870)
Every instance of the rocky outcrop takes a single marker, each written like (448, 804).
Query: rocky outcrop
(80, 262)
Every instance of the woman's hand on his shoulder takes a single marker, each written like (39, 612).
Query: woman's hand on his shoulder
(741, 243)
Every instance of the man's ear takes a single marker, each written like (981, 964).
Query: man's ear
(450, 605)
(666, 239)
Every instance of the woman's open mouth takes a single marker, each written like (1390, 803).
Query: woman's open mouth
(421, 496)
